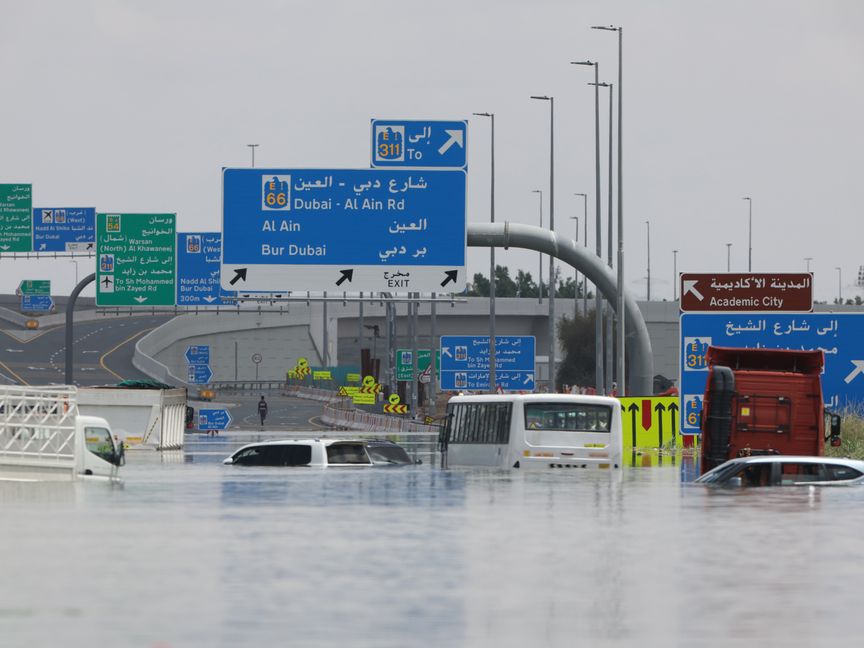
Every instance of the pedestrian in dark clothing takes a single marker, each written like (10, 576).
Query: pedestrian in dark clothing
(262, 410)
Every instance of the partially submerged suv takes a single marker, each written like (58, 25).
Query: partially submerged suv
(321, 453)
(785, 470)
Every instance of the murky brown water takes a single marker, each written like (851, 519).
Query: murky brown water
(201, 554)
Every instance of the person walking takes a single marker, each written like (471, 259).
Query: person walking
(262, 410)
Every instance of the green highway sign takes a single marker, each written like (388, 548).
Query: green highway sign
(405, 362)
(16, 217)
(136, 259)
(35, 287)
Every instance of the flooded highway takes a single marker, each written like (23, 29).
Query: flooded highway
(193, 553)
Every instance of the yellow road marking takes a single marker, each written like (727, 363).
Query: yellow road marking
(107, 353)
(19, 378)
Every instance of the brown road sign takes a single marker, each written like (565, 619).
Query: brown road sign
(747, 291)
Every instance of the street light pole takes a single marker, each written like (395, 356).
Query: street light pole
(493, 383)
(540, 277)
(674, 275)
(648, 240)
(621, 331)
(750, 234)
(728, 257)
(839, 285)
(598, 302)
(551, 101)
(584, 277)
(253, 147)
(808, 260)
(608, 370)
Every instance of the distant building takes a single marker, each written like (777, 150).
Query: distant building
(861, 276)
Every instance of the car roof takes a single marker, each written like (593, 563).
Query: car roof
(584, 399)
(852, 463)
(324, 442)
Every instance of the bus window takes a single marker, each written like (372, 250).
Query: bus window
(567, 417)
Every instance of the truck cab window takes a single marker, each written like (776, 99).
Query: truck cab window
(99, 442)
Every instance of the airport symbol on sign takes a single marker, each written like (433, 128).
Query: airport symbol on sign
(429, 144)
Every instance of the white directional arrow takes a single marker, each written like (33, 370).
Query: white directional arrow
(690, 286)
(445, 351)
(4, 247)
(209, 299)
(140, 300)
(455, 138)
(859, 368)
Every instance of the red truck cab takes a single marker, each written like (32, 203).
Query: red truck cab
(763, 401)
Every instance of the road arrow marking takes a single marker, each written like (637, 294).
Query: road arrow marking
(140, 299)
(451, 276)
(240, 273)
(346, 274)
(690, 286)
(455, 138)
(859, 368)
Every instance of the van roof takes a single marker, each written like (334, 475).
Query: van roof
(544, 398)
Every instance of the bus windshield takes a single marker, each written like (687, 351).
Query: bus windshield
(573, 417)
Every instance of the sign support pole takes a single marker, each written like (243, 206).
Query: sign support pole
(433, 373)
(70, 334)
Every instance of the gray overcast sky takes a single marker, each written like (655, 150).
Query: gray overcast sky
(135, 106)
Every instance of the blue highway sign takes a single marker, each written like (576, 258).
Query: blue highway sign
(405, 143)
(214, 419)
(198, 354)
(839, 335)
(198, 262)
(64, 229)
(36, 304)
(465, 362)
(199, 374)
(379, 230)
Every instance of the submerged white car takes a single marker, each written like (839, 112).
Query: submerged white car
(785, 470)
(321, 453)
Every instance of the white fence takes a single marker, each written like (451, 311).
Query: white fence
(37, 427)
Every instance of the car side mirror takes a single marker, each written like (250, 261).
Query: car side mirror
(836, 441)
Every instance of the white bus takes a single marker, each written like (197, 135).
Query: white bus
(533, 432)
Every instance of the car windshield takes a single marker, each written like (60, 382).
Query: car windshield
(388, 454)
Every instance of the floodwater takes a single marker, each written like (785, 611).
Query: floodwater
(193, 553)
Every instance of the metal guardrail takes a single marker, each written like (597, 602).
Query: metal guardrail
(248, 385)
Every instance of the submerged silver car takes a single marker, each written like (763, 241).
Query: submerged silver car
(785, 470)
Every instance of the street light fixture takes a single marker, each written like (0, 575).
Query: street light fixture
(551, 101)
(540, 277)
(750, 234)
(621, 327)
(493, 383)
(253, 147)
